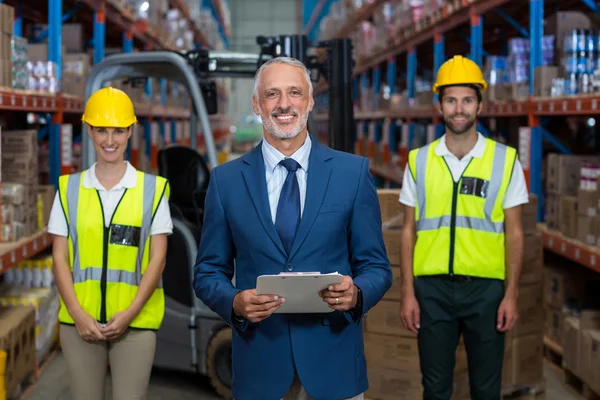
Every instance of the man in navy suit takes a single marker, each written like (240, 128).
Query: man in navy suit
(292, 205)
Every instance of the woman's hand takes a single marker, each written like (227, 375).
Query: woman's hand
(118, 324)
(88, 328)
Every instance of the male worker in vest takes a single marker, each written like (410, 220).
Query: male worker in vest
(462, 241)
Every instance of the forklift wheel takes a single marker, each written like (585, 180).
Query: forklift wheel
(218, 363)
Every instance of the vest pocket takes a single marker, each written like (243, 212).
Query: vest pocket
(125, 235)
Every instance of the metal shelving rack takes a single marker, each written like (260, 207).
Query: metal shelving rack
(62, 106)
(433, 31)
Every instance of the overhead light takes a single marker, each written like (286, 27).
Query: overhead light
(591, 122)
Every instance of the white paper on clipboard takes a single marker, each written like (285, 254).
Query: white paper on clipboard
(300, 290)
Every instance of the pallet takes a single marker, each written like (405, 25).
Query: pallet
(553, 352)
(575, 384)
(24, 390)
(524, 392)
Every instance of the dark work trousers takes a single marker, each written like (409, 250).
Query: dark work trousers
(450, 308)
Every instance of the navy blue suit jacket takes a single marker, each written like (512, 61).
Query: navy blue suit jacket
(340, 231)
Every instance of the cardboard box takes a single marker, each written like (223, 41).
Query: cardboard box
(391, 239)
(587, 202)
(531, 311)
(533, 259)
(394, 292)
(527, 360)
(388, 384)
(573, 343)
(46, 194)
(562, 287)
(17, 339)
(564, 173)
(586, 230)
(389, 203)
(543, 77)
(529, 215)
(553, 211)
(385, 318)
(568, 216)
(392, 352)
(554, 324)
(594, 350)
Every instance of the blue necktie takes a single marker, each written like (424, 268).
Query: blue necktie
(288, 207)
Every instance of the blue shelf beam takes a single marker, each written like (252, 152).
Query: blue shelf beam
(439, 56)
(412, 72)
(18, 26)
(477, 39)
(127, 42)
(468, 40)
(536, 32)
(313, 11)
(522, 31)
(391, 75)
(592, 4)
(209, 4)
(551, 139)
(67, 16)
(99, 33)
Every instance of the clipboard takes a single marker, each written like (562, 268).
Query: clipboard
(300, 290)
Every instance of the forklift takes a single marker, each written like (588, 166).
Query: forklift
(193, 338)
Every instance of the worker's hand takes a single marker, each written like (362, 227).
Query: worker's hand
(88, 328)
(507, 314)
(255, 308)
(341, 296)
(118, 324)
(410, 313)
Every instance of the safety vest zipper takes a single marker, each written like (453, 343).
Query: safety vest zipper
(106, 237)
(453, 226)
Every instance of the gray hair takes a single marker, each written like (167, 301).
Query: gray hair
(283, 60)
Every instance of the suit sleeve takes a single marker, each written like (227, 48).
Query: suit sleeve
(214, 266)
(370, 265)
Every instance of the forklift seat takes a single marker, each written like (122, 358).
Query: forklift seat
(188, 177)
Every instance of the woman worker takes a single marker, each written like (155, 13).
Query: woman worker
(110, 224)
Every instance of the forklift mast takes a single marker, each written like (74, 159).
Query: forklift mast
(196, 70)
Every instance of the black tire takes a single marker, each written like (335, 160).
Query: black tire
(218, 363)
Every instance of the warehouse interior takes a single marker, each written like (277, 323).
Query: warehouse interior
(541, 59)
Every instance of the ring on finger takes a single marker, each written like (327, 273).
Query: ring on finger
(337, 300)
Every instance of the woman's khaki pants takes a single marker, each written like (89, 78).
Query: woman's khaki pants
(131, 357)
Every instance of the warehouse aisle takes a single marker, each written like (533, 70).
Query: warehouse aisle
(54, 385)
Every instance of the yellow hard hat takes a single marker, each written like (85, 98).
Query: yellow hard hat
(109, 108)
(459, 70)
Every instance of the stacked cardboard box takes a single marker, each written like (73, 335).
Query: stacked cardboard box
(523, 355)
(563, 185)
(45, 199)
(20, 165)
(45, 304)
(7, 18)
(390, 350)
(582, 347)
(17, 339)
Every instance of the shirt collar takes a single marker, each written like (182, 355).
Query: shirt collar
(273, 157)
(128, 181)
(477, 151)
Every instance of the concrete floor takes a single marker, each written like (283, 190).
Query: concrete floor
(54, 385)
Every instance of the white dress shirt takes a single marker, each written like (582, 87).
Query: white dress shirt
(161, 224)
(276, 173)
(516, 193)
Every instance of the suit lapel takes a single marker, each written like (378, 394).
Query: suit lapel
(254, 175)
(319, 170)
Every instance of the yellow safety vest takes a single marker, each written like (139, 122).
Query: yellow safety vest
(460, 226)
(107, 264)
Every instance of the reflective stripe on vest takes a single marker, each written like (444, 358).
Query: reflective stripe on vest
(95, 273)
(481, 224)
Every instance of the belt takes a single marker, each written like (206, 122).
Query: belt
(453, 278)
